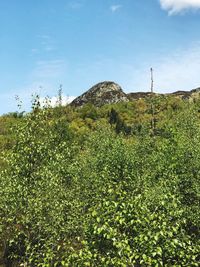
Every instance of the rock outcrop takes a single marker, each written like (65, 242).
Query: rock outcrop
(102, 93)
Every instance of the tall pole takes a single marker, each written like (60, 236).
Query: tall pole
(152, 105)
(151, 80)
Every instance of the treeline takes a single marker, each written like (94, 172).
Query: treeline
(96, 187)
(130, 118)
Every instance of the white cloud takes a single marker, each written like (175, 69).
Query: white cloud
(43, 80)
(114, 8)
(54, 101)
(176, 6)
(27, 94)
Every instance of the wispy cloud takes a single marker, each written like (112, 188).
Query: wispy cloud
(75, 5)
(176, 71)
(34, 50)
(180, 71)
(114, 8)
(177, 6)
(45, 44)
(44, 36)
(44, 79)
(49, 48)
(48, 69)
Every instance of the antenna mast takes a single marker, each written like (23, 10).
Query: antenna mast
(152, 105)
(151, 80)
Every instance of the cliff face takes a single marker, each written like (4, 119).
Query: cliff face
(102, 93)
(109, 92)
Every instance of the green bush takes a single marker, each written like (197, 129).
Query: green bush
(101, 198)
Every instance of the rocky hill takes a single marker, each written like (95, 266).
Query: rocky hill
(102, 93)
(109, 92)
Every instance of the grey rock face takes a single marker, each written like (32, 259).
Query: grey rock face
(102, 93)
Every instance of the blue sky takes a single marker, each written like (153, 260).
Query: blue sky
(77, 43)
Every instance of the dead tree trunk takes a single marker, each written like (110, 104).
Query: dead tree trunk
(152, 105)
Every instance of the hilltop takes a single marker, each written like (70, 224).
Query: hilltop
(109, 92)
(102, 93)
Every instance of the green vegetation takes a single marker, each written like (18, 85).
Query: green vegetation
(95, 187)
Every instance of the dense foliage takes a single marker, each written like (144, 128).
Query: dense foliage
(96, 187)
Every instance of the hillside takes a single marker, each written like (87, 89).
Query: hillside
(109, 92)
(102, 185)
